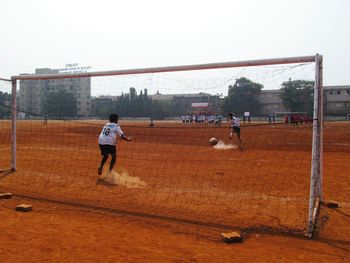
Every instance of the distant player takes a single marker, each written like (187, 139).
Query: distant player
(107, 141)
(235, 127)
(286, 120)
(151, 124)
(45, 120)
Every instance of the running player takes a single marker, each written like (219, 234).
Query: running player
(235, 128)
(107, 141)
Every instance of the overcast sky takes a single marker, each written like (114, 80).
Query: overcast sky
(113, 34)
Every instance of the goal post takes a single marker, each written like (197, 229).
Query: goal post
(316, 187)
(13, 124)
(220, 65)
(203, 187)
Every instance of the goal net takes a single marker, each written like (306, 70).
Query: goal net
(169, 170)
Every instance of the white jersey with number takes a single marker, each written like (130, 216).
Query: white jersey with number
(109, 134)
(235, 122)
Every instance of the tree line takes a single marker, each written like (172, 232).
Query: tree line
(243, 94)
(5, 110)
(296, 95)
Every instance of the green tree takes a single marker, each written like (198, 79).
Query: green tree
(60, 104)
(141, 105)
(5, 100)
(297, 95)
(133, 93)
(161, 109)
(243, 96)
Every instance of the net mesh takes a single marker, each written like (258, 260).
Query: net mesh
(169, 169)
(5, 134)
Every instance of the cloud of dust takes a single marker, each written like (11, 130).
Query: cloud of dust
(123, 179)
(223, 146)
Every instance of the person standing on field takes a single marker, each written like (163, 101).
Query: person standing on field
(107, 141)
(235, 127)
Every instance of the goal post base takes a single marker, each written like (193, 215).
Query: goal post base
(24, 208)
(231, 237)
(330, 204)
(312, 224)
(5, 195)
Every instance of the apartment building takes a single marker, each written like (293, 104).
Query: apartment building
(336, 101)
(32, 93)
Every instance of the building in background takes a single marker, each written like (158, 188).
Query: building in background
(271, 102)
(192, 102)
(32, 93)
(337, 100)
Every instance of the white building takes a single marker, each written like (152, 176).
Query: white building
(32, 93)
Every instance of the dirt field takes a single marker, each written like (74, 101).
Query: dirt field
(174, 197)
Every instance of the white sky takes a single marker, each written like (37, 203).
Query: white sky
(113, 34)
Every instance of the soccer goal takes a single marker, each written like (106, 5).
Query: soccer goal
(170, 170)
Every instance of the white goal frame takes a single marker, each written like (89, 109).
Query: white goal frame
(316, 193)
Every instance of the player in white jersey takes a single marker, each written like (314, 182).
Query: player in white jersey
(235, 127)
(107, 141)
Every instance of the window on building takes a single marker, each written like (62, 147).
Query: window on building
(348, 92)
(339, 105)
(338, 92)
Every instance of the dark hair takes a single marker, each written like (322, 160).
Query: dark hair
(230, 114)
(113, 117)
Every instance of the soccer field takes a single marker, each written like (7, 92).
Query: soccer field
(170, 173)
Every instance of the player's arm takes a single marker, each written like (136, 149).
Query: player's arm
(125, 138)
(122, 135)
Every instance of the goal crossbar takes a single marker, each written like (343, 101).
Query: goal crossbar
(219, 65)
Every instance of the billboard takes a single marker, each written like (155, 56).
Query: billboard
(200, 105)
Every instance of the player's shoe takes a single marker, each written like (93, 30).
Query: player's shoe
(99, 171)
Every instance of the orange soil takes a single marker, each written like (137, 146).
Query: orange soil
(186, 204)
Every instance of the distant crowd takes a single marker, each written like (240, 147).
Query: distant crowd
(297, 120)
(202, 118)
(293, 119)
(289, 119)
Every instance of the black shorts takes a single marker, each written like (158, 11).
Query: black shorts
(107, 149)
(236, 129)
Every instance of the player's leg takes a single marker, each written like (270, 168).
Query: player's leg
(238, 132)
(104, 153)
(113, 161)
(113, 152)
(103, 161)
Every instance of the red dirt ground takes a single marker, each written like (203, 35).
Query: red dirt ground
(179, 215)
(55, 233)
